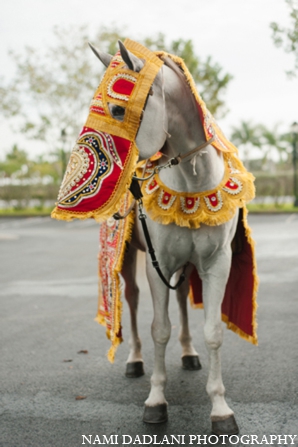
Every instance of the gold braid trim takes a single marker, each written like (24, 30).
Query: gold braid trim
(203, 215)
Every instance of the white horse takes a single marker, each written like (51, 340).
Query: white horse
(171, 123)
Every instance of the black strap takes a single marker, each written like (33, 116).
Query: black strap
(135, 189)
(151, 251)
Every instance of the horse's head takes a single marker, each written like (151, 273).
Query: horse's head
(152, 130)
(127, 121)
(142, 96)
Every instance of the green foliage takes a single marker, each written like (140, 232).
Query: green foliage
(15, 161)
(18, 165)
(22, 195)
(272, 144)
(208, 75)
(52, 87)
(287, 38)
(274, 185)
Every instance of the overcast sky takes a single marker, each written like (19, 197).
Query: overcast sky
(235, 33)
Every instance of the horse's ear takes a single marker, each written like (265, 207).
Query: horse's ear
(105, 58)
(132, 61)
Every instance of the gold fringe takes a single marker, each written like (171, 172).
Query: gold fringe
(230, 203)
(221, 143)
(112, 206)
(112, 334)
(251, 242)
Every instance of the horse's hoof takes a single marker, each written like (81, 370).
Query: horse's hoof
(225, 426)
(191, 362)
(156, 414)
(134, 369)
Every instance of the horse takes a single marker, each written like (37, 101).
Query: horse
(170, 123)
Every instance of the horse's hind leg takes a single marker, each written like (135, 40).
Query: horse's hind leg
(134, 365)
(190, 357)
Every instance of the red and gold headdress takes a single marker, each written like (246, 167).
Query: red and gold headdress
(104, 158)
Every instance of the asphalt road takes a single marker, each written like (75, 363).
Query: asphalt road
(48, 301)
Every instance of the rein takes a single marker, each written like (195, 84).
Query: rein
(137, 193)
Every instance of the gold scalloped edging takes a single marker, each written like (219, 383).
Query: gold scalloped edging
(232, 326)
(128, 224)
(230, 202)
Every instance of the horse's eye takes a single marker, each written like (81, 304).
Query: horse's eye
(117, 112)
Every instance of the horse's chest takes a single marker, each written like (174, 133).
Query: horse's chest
(175, 245)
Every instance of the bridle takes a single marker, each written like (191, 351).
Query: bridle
(175, 160)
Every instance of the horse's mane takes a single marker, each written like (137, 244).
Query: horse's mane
(171, 64)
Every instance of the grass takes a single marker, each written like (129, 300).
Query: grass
(272, 208)
(252, 207)
(25, 212)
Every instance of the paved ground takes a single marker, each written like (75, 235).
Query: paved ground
(48, 300)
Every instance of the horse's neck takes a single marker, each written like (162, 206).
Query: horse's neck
(207, 168)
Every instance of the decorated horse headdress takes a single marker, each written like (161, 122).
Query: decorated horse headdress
(104, 158)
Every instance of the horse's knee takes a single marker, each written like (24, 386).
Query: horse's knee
(213, 335)
(132, 292)
(161, 332)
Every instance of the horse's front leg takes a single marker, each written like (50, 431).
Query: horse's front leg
(190, 357)
(214, 284)
(134, 365)
(156, 404)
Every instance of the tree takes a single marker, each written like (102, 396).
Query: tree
(17, 164)
(274, 144)
(271, 144)
(208, 75)
(287, 38)
(51, 89)
(247, 136)
(16, 161)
